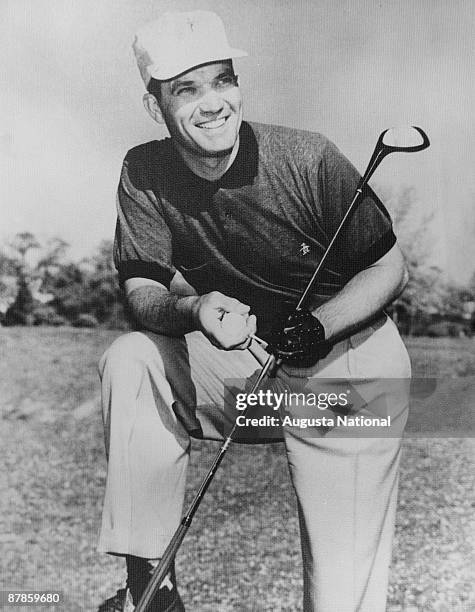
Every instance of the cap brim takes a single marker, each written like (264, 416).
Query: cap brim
(172, 71)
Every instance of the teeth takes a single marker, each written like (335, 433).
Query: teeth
(212, 125)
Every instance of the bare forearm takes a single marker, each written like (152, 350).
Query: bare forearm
(161, 311)
(363, 296)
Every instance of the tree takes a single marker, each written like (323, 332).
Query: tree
(32, 278)
(21, 311)
(50, 290)
(52, 258)
(8, 282)
(89, 287)
(471, 288)
(68, 287)
(21, 244)
(7, 265)
(104, 298)
(425, 292)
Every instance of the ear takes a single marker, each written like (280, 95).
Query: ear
(152, 107)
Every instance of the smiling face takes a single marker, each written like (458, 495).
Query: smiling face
(202, 109)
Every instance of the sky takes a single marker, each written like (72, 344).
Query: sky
(71, 102)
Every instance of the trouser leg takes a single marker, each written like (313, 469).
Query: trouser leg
(347, 485)
(147, 449)
(143, 374)
(346, 532)
(347, 491)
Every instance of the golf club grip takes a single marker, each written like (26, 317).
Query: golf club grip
(162, 568)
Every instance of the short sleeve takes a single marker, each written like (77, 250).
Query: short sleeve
(368, 233)
(142, 245)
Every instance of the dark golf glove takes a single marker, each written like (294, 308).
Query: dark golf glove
(301, 343)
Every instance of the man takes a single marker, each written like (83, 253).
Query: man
(232, 217)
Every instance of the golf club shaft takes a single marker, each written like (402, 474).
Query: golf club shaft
(163, 566)
(270, 367)
(321, 263)
(373, 164)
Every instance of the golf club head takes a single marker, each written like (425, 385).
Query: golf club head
(408, 139)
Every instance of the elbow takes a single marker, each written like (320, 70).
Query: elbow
(402, 273)
(403, 279)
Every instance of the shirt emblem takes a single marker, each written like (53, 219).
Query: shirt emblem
(167, 582)
(304, 249)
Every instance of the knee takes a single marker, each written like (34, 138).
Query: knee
(127, 352)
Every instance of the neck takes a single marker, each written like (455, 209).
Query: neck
(210, 168)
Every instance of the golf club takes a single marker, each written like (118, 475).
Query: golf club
(407, 139)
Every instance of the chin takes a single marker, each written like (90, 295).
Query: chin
(216, 149)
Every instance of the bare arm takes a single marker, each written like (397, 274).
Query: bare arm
(364, 295)
(160, 311)
(183, 311)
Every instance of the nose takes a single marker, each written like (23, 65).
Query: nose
(211, 102)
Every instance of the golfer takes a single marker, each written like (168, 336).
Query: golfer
(229, 216)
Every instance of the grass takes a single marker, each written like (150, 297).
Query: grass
(444, 376)
(242, 553)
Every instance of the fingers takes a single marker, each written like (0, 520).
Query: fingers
(225, 321)
(247, 331)
(227, 304)
(301, 340)
(298, 322)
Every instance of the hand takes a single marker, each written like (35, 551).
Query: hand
(208, 312)
(302, 341)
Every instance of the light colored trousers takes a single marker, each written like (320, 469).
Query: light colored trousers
(346, 486)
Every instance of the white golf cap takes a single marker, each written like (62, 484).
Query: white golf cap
(177, 42)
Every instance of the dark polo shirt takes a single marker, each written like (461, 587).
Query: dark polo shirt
(257, 233)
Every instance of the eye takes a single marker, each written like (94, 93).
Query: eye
(227, 80)
(186, 91)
